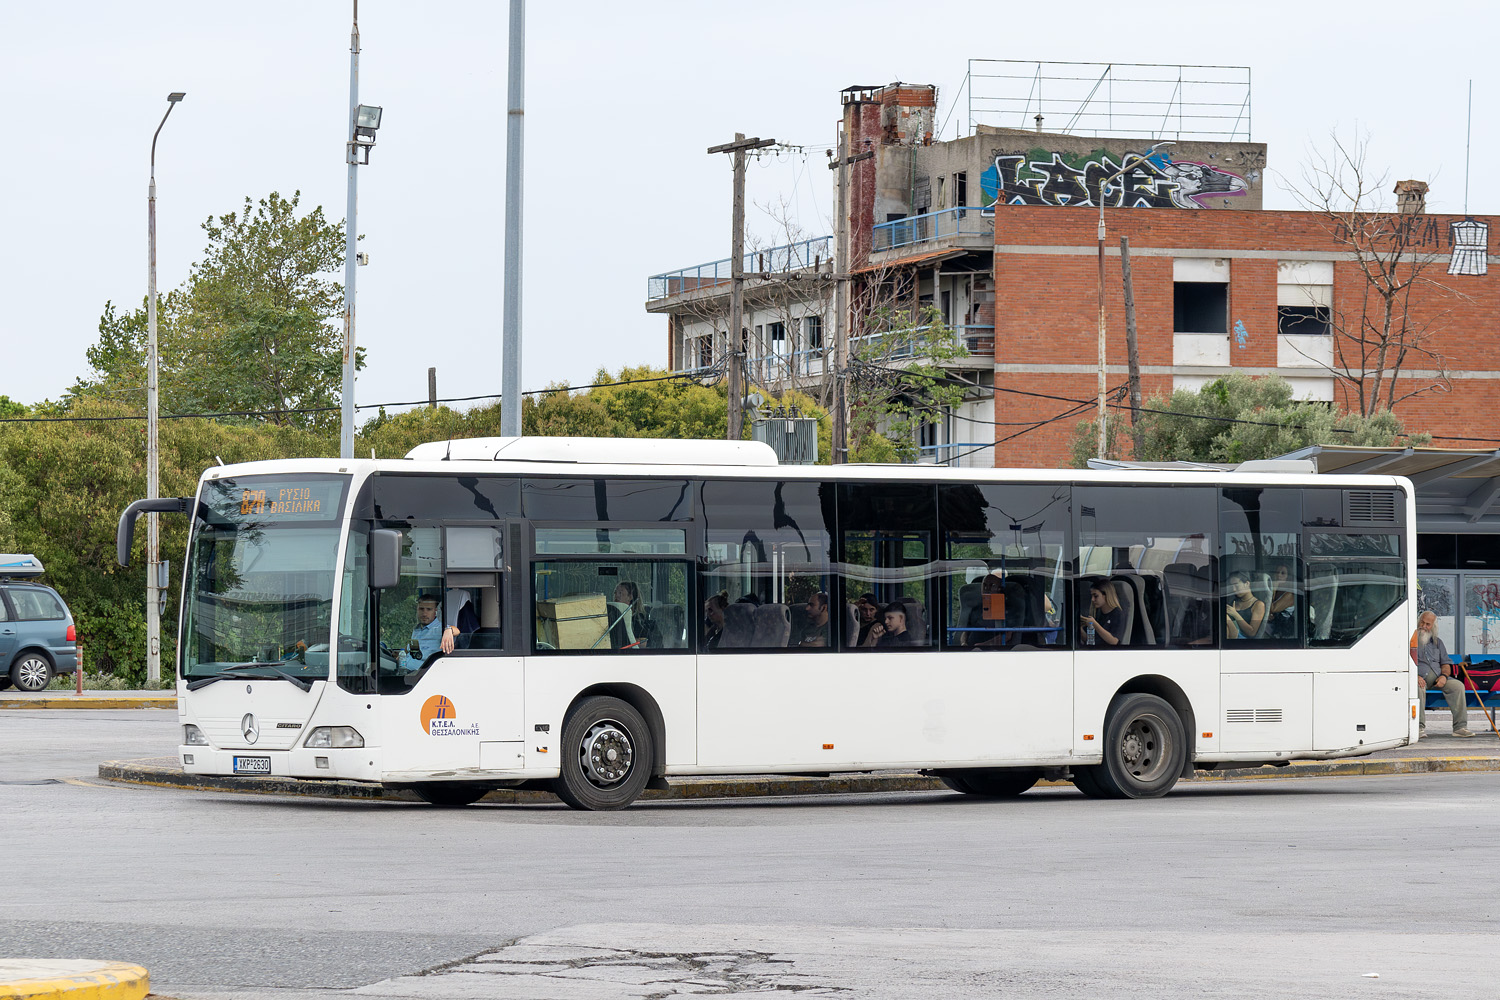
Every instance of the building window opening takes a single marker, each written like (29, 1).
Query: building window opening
(1200, 307)
(812, 329)
(1304, 298)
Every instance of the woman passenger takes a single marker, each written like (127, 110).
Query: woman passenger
(1108, 618)
(1283, 610)
(1243, 612)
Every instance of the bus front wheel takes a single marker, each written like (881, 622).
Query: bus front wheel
(606, 755)
(1145, 748)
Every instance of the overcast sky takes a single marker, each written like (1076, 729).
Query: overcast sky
(621, 102)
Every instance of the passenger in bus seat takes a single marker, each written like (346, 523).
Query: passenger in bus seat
(870, 628)
(815, 632)
(713, 619)
(1243, 613)
(894, 631)
(641, 626)
(1107, 622)
(1283, 610)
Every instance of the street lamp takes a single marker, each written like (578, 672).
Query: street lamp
(1124, 168)
(154, 582)
(364, 120)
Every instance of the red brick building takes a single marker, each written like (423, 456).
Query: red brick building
(997, 232)
(1219, 291)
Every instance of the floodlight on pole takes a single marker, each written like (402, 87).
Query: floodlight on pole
(154, 581)
(1124, 168)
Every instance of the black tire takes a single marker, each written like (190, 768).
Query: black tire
(449, 794)
(955, 781)
(992, 783)
(1086, 780)
(31, 671)
(607, 755)
(1145, 747)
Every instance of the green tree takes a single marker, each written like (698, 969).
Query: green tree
(1238, 418)
(254, 329)
(898, 382)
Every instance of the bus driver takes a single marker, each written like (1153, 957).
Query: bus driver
(429, 635)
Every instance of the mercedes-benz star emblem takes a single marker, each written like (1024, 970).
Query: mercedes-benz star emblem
(248, 727)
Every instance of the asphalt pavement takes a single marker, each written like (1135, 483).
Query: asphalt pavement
(1270, 887)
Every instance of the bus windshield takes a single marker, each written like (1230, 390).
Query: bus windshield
(262, 562)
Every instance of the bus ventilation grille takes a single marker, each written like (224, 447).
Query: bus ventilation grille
(1252, 715)
(1371, 507)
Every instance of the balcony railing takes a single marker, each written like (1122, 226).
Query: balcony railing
(791, 257)
(775, 368)
(900, 344)
(932, 226)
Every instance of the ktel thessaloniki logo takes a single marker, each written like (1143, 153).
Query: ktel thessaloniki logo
(440, 718)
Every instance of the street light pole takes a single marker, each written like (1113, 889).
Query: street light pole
(351, 238)
(510, 351)
(1125, 167)
(153, 467)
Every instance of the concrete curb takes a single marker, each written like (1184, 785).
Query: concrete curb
(163, 773)
(72, 979)
(60, 700)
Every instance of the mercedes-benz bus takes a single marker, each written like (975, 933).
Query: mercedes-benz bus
(597, 617)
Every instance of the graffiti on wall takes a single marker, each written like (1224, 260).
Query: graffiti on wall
(1043, 177)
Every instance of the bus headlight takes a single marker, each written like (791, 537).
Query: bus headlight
(334, 736)
(193, 736)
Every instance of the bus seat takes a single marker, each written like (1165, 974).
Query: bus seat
(487, 637)
(1260, 586)
(668, 619)
(1140, 632)
(1322, 598)
(851, 625)
(772, 626)
(739, 627)
(968, 605)
(801, 619)
(1125, 597)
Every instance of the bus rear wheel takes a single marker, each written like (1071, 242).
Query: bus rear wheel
(991, 783)
(449, 794)
(1145, 748)
(606, 755)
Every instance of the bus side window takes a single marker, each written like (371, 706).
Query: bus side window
(765, 581)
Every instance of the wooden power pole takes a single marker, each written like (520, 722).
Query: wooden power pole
(735, 346)
(1133, 357)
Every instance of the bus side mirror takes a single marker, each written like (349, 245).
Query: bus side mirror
(385, 558)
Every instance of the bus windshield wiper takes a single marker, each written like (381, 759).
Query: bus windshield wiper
(236, 671)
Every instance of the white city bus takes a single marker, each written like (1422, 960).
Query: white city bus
(620, 612)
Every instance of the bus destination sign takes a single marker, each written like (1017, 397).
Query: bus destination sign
(267, 500)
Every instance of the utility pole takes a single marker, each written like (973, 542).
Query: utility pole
(841, 302)
(510, 368)
(432, 388)
(737, 281)
(1131, 354)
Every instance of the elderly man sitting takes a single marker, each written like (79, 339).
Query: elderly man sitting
(1434, 671)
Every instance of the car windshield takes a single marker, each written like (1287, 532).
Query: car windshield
(262, 563)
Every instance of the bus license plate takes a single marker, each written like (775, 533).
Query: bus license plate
(252, 765)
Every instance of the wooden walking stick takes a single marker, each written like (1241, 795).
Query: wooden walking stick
(1479, 697)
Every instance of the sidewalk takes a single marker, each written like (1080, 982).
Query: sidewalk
(53, 698)
(72, 979)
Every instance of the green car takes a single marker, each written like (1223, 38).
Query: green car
(37, 635)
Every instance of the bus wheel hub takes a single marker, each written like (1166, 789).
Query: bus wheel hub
(607, 754)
